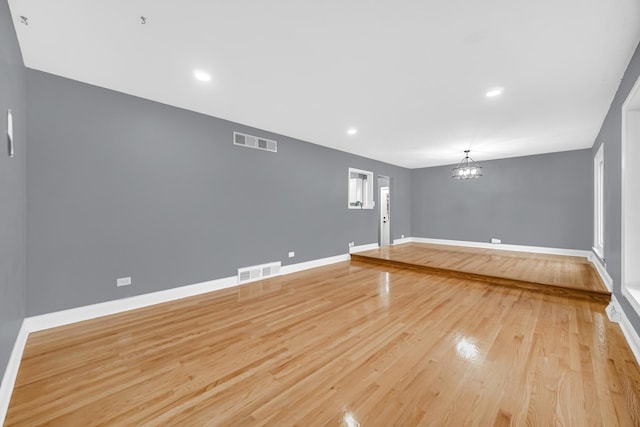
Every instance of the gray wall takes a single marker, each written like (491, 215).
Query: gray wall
(543, 200)
(121, 186)
(12, 189)
(610, 134)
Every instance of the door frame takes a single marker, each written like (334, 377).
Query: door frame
(384, 182)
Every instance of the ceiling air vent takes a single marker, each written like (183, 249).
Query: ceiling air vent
(255, 142)
(258, 272)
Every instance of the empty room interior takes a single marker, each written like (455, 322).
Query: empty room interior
(329, 213)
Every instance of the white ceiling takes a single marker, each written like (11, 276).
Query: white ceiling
(410, 75)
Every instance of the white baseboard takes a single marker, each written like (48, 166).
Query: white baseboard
(403, 240)
(73, 315)
(591, 257)
(628, 331)
(11, 372)
(65, 317)
(362, 248)
(294, 268)
(602, 271)
(504, 247)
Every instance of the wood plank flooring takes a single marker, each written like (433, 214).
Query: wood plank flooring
(554, 274)
(338, 345)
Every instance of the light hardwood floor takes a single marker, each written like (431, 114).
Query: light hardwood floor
(562, 275)
(338, 345)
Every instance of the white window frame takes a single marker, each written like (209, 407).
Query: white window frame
(598, 202)
(360, 190)
(630, 212)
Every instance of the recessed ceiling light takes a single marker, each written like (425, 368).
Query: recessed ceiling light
(352, 131)
(494, 92)
(201, 75)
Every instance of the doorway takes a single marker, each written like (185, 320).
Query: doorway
(384, 185)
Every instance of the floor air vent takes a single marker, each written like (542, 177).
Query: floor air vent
(255, 142)
(257, 272)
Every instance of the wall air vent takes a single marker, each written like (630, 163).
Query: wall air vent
(255, 142)
(258, 272)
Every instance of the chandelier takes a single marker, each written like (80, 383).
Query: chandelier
(467, 168)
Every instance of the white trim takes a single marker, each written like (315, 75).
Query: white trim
(631, 104)
(362, 248)
(635, 90)
(634, 300)
(598, 253)
(11, 372)
(66, 317)
(595, 259)
(589, 255)
(598, 201)
(628, 331)
(367, 201)
(403, 240)
(294, 268)
(503, 247)
(79, 314)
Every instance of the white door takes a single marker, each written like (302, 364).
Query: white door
(385, 217)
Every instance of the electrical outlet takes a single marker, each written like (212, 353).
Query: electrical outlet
(123, 281)
(292, 254)
(352, 244)
(494, 240)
